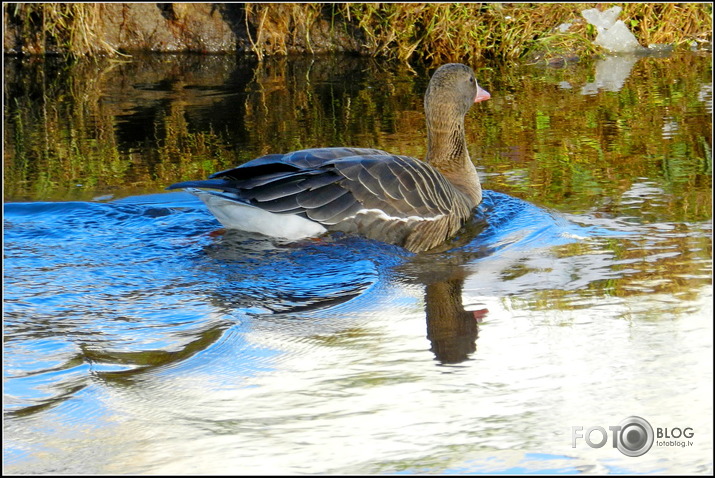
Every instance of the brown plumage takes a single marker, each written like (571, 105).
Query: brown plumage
(396, 199)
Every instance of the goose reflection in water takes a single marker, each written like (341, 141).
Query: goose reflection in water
(451, 329)
(335, 277)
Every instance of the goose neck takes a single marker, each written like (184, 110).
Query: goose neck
(447, 152)
(446, 144)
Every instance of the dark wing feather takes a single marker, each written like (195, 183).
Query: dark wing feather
(398, 185)
(316, 157)
(280, 187)
(315, 198)
(221, 184)
(284, 205)
(339, 210)
(289, 162)
(390, 184)
(259, 167)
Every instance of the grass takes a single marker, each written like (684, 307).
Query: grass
(72, 29)
(431, 32)
(473, 32)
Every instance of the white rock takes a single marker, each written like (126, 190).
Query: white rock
(601, 19)
(613, 35)
(618, 39)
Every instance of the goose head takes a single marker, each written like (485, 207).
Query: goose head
(452, 90)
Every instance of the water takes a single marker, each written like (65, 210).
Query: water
(142, 338)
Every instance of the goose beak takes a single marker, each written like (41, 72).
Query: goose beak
(482, 95)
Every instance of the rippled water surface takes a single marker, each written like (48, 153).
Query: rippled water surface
(140, 337)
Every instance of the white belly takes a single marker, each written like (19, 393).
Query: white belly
(235, 215)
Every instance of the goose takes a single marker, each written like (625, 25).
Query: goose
(395, 199)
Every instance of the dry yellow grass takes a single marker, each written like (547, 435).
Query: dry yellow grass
(433, 32)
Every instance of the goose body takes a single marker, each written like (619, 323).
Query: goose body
(395, 199)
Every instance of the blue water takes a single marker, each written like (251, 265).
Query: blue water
(123, 286)
(140, 324)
